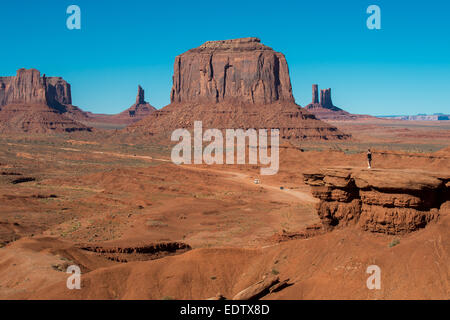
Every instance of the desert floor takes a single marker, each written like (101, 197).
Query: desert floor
(124, 213)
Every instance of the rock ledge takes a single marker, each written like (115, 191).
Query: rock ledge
(390, 201)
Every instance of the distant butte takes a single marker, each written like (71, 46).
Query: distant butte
(239, 83)
(139, 110)
(325, 109)
(392, 201)
(31, 103)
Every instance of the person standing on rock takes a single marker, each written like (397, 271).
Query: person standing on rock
(369, 159)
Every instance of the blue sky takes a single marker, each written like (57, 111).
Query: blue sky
(404, 68)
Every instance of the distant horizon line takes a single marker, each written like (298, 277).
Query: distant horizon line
(159, 108)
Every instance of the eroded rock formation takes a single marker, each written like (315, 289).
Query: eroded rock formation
(239, 70)
(238, 83)
(325, 98)
(324, 109)
(31, 103)
(315, 93)
(380, 200)
(140, 109)
(28, 87)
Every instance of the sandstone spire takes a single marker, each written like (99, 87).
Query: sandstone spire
(315, 93)
(325, 98)
(140, 99)
(137, 111)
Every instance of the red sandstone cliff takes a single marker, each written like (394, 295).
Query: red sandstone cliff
(380, 200)
(29, 87)
(240, 70)
(238, 83)
(31, 103)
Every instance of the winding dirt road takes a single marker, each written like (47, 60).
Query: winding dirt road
(285, 194)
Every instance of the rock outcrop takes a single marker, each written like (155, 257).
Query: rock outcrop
(240, 70)
(28, 87)
(31, 103)
(325, 98)
(140, 98)
(259, 289)
(380, 200)
(238, 83)
(140, 109)
(325, 109)
(315, 93)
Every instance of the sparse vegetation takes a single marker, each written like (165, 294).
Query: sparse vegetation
(394, 242)
(156, 223)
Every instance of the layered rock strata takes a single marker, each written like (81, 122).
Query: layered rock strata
(240, 70)
(380, 200)
(236, 84)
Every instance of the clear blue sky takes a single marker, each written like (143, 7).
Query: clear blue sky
(404, 68)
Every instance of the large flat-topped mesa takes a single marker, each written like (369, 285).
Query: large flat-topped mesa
(237, 71)
(29, 87)
(33, 103)
(234, 84)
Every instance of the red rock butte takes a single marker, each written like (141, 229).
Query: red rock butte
(139, 110)
(391, 201)
(29, 87)
(31, 103)
(240, 70)
(239, 83)
(325, 109)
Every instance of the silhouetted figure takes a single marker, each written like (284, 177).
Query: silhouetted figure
(369, 159)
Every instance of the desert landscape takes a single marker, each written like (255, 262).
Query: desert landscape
(101, 192)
